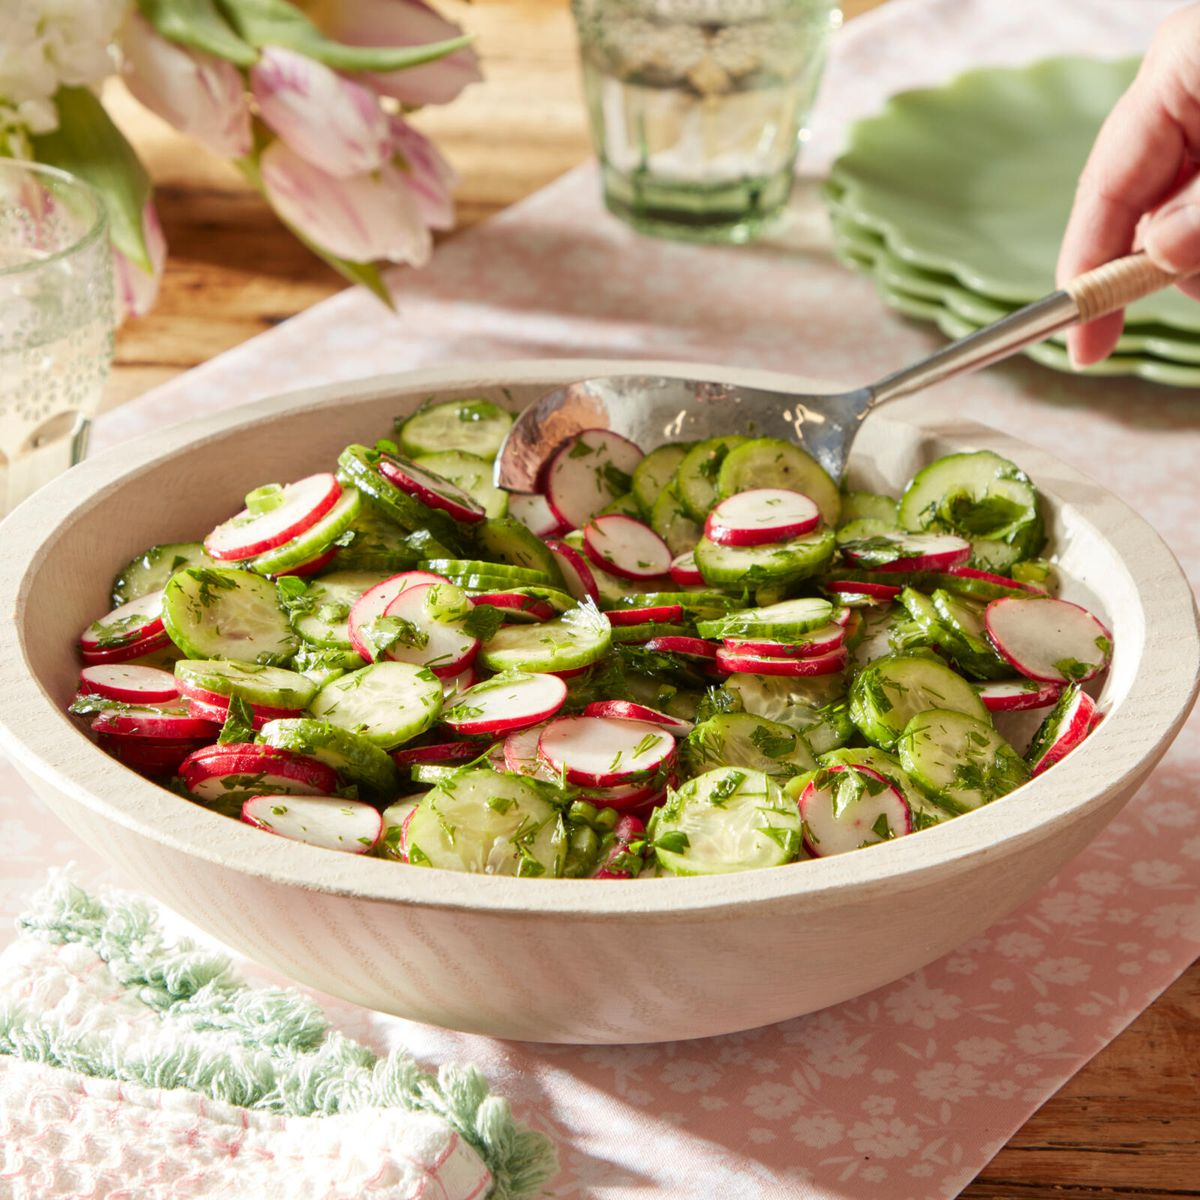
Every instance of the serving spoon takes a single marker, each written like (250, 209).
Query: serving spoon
(651, 410)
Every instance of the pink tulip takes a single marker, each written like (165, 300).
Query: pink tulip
(201, 95)
(135, 290)
(336, 124)
(430, 177)
(362, 218)
(402, 23)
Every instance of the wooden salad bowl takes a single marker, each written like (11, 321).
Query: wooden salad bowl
(564, 960)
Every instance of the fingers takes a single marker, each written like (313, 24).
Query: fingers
(1172, 235)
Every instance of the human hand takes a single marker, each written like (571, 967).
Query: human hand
(1141, 185)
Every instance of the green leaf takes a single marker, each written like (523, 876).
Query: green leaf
(87, 143)
(239, 724)
(278, 23)
(198, 24)
(483, 621)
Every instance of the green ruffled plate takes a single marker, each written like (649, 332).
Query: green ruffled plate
(974, 180)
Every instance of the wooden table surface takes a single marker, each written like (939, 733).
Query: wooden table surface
(1128, 1125)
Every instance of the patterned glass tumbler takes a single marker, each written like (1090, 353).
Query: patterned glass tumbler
(56, 323)
(698, 107)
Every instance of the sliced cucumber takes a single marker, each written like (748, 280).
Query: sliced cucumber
(744, 740)
(508, 541)
(698, 604)
(485, 823)
(319, 608)
(814, 706)
(578, 638)
(969, 647)
(270, 687)
(464, 568)
(730, 819)
(869, 506)
(777, 622)
(696, 476)
(774, 463)
(374, 542)
(150, 571)
(317, 661)
(960, 761)
(389, 703)
(624, 506)
(355, 758)
(669, 519)
(224, 612)
(472, 425)
(924, 811)
(314, 541)
(391, 844)
(644, 632)
(889, 692)
(652, 475)
(471, 473)
(862, 529)
(777, 562)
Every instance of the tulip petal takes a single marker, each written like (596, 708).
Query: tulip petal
(136, 290)
(430, 177)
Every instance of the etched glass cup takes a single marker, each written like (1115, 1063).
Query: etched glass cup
(697, 107)
(56, 323)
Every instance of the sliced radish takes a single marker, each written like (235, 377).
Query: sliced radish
(521, 754)
(821, 641)
(174, 723)
(684, 571)
(513, 700)
(638, 712)
(627, 797)
(129, 624)
(1013, 695)
(737, 662)
(312, 566)
(132, 684)
(533, 510)
(216, 770)
(912, 551)
(516, 606)
(1062, 731)
(215, 708)
(689, 647)
(258, 528)
(453, 684)
(438, 752)
(628, 830)
(626, 547)
(847, 589)
(842, 615)
(605, 751)
(432, 490)
(658, 613)
(124, 654)
(450, 649)
(150, 756)
(835, 822)
(587, 473)
(998, 580)
(326, 821)
(1053, 641)
(577, 575)
(373, 603)
(761, 515)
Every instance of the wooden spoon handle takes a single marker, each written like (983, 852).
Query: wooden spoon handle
(1116, 284)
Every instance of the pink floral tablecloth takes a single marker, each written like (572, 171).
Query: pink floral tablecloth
(906, 1092)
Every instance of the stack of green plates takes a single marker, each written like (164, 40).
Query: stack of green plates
(955, 199)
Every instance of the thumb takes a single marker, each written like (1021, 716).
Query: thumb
(1171, 237)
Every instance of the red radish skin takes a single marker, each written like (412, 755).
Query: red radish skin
(305, 502)
(826, 835)
(874, 591)
(436, 753)
(663, 614)
(1050, 640)
(577, 575)
(630, 711)
(431, 490)
(684, 570)
(311, 567)
(172, 723)
(533, 510)
(626, 547)
(210, 710)
(998, 580)
(1079, 720)
(459, 683)
(124, 654)
(450, 649)
(516, 605)
(935, 552)
(605, 751)
(329, 822)
(128, 624)
(191, 691)
(692, 647)
(761, 515)
(757, 664)
(578, 480)
(130, 684)
(494, 708)
(632, 797)
(825, 640)
(373, 603)
(1005, 696)
(149, 756)
(628, 830)
(204, 772)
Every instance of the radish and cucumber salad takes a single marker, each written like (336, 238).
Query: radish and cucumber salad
(705, 659)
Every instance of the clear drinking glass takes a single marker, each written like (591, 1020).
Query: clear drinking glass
(697, 107)
(56, 323)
